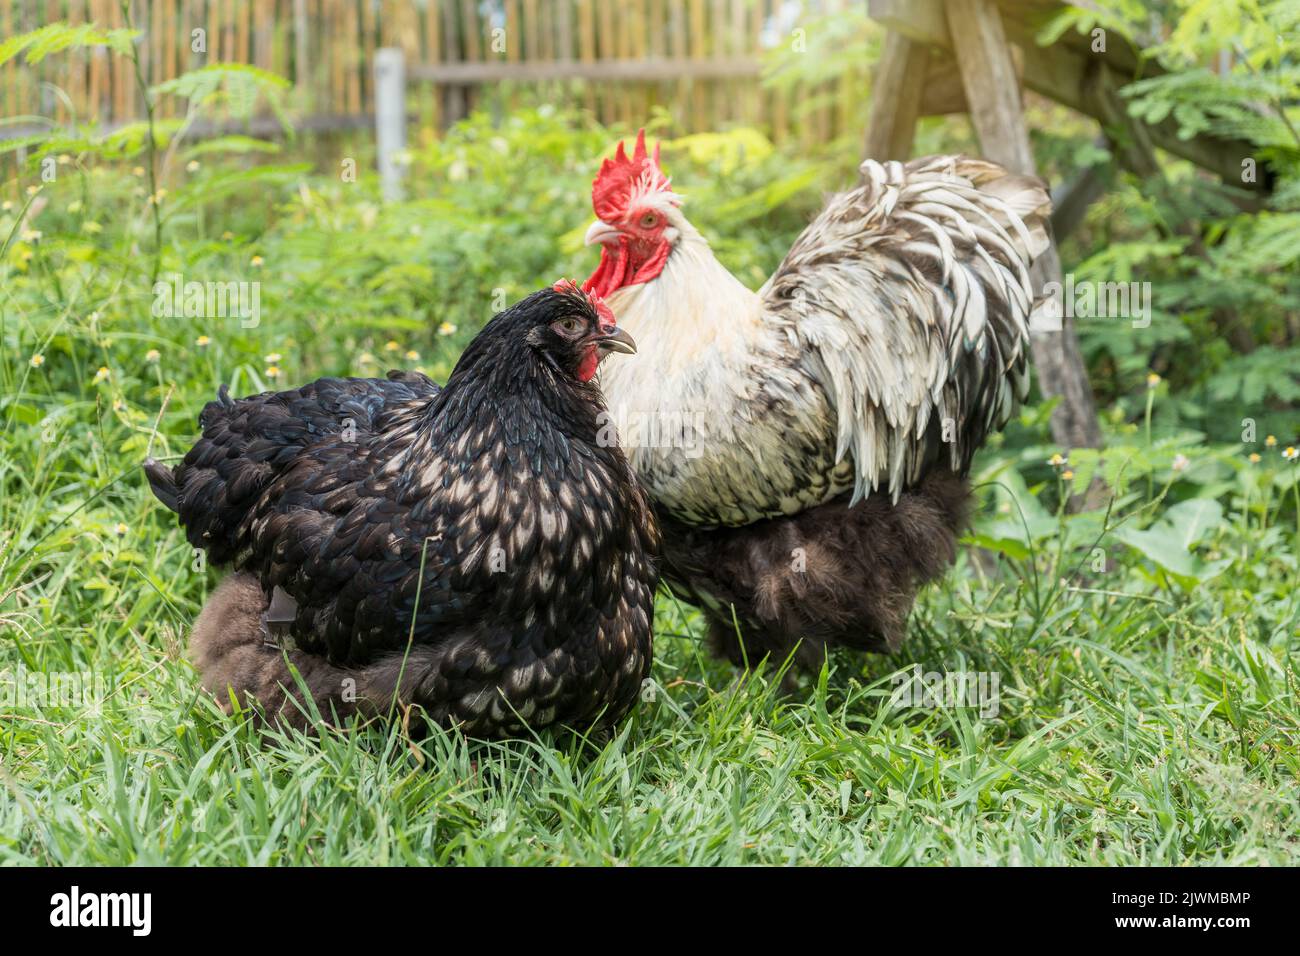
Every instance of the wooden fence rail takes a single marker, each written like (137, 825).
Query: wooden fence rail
(700, 59)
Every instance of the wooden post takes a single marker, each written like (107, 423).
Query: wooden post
(390, 118)
(1070, 201)
(993, 94)
(896, 99)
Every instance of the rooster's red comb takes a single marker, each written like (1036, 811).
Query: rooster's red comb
(619, 178)
(571, 287)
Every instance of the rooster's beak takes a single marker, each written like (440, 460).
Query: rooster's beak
(602, 232)
(615, 340)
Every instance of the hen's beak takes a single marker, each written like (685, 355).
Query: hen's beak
(615, 340)
(602, 232)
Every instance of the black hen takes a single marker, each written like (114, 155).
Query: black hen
(480, 550)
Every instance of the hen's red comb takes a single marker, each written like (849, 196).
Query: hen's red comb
(571, 287)
(620, 176)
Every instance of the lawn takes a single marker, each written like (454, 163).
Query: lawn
(1145, 654)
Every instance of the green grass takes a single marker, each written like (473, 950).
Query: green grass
(1131, 730)
(1147, 658)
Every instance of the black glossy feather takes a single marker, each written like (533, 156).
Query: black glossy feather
(483, 522)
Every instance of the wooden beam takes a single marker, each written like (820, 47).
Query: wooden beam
(1060, 73)
(943, 93)
(896, 98)
(648, 70)
(922, 20)
(987, 72)
(992, 89)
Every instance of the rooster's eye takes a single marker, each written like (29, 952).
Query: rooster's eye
(649, 221)
(567, 326)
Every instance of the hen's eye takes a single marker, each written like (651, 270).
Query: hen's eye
(567, 326)
(649, 221)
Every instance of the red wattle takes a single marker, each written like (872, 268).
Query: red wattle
(617, 269)
(609, 273)
(651, 268)
(587, 367)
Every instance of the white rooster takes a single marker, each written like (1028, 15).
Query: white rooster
(836, 410)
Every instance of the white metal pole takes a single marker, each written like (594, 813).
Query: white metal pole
(390, 118)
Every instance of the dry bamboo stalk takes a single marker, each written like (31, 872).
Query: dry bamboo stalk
(513, 38)
(473, 31)
(547, 29)
(659, 46)
(564, 31)
(348, 49)
(77, 64)
(455, 97)
(678, 48)
(122, 81)
(333, 66)
(699, 100)
(644, 94)
(409, 31)
(432, 33)
(282, 13)
(214, 31)
(362, 55)
(634, 46)
(532, 41)
(587, 49)
(167, 104)
(743, 44)
(182, 18)
(263, 33)
(658, 38)
(298, 50)
(623, 47)
(98, 61)
(514, 47)
(586, 32)
(547, 18)
(9, 91)
(606, 33)
(432, 42)
(720, 106)
(321, 79)
(241, 12)
(53, 69)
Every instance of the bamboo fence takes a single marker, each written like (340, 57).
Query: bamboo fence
(699, 59)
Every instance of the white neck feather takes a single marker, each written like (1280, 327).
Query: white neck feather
(692, 304)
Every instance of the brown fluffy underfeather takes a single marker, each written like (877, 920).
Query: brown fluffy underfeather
(228, 647)
(829, 575)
